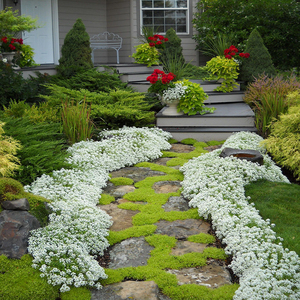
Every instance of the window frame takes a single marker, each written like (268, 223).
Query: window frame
(188, 16)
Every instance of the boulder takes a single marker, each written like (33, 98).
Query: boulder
(15, 227)
(247, 154)
(20, 204)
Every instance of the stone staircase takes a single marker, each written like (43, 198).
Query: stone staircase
(232, 114)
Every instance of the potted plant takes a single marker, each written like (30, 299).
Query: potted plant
(160, 81)
(192, 102)
(9, 47)
(225, 68)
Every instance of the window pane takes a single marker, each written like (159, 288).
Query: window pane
(181, 3)
(159, 13)
(158, 4)
(147, 3)
(170, 3)
(147, 13)
(181, 28)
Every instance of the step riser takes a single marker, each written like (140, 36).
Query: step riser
(206, 122)
(134, 77)
(202, 137)
(224, 98)
(137, 69)
(142, 88)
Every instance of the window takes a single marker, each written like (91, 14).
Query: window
(165, 14)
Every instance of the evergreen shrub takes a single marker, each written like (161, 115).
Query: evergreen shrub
(43, 147)
(259, 62)
(75, 52)
(284, 141)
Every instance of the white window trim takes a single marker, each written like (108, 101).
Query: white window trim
(187, 9)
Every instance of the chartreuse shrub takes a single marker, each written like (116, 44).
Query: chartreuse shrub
(259, 62)
(9, 162)
(284, 141)
(268, 99)
(108, 110)
(146, 55)
(75, 52)
(19, 281)
(11, 189)
(43, 147)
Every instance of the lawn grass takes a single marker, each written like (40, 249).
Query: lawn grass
(279, 202)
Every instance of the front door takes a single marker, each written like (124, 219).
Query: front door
(41, 39)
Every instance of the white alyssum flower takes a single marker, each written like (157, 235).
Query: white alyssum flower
(215, 186)
(4, 60)
(173, 94)
(64, 250)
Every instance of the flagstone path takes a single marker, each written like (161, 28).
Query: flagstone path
(136, 251)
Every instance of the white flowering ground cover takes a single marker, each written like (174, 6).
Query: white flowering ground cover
(64, 250)
(215, 186)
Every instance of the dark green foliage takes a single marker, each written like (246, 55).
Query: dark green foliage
(173, 49)
(76, 51)
(11, 189)
(14, 86)
(91, 80)
(276, 20)
(19, 281)
(279, 202)
(259, 62)
(109, 110)
(43, 147)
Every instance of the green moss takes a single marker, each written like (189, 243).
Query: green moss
(19, 281)
(130, 206)
(172, 141)
(135, 231)
(202, 238)
(177, 161)
(106, 199)
(81, 293)
(215, 143)
(197, 292)
(121, 181)
(170, 154)
(11, 189)
(155, 167)
(188, 141)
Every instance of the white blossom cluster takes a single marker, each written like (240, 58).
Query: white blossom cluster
(63, 251)
(173, 94)
(215, 186)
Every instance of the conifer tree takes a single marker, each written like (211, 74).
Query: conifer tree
(260, 60)
(76, 51)
(173, 49)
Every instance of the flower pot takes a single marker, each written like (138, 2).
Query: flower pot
(171, 109)
(9, 56)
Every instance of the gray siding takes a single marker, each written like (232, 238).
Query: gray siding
(93, 15)
(119, 22)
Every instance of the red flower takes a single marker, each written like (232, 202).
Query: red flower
(151, 44)
(158, 43)
(166, 39)
(4, 39)
(246, 55)
(232, 53)
(12, 47)
(151, 38)
(20, 41)
(228, 56)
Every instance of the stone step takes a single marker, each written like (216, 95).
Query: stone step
(205, 134)
(209, 86)
(225, 115)
(219, 97)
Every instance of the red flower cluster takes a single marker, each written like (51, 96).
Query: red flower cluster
(159, 75)
(232, 51)
(10, 45)
(160, 81)
(157, 41)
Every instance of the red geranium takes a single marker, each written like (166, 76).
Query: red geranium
(157, 41)
(10, 44)
(232, 51)
(160, 81)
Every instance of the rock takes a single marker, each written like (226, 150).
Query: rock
(118, 191)
(248, 154)
(213, 275)
(20, 204)
(176, 204)
(15, 227)
(137, 290)
(181, 148)
(181, 229)
(136, 173)
(122, 218)
(212, 148)
(162, 161)
(183, 247)
(164, 187)
(132, 252)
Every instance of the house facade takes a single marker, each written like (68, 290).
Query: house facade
(122, 17)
